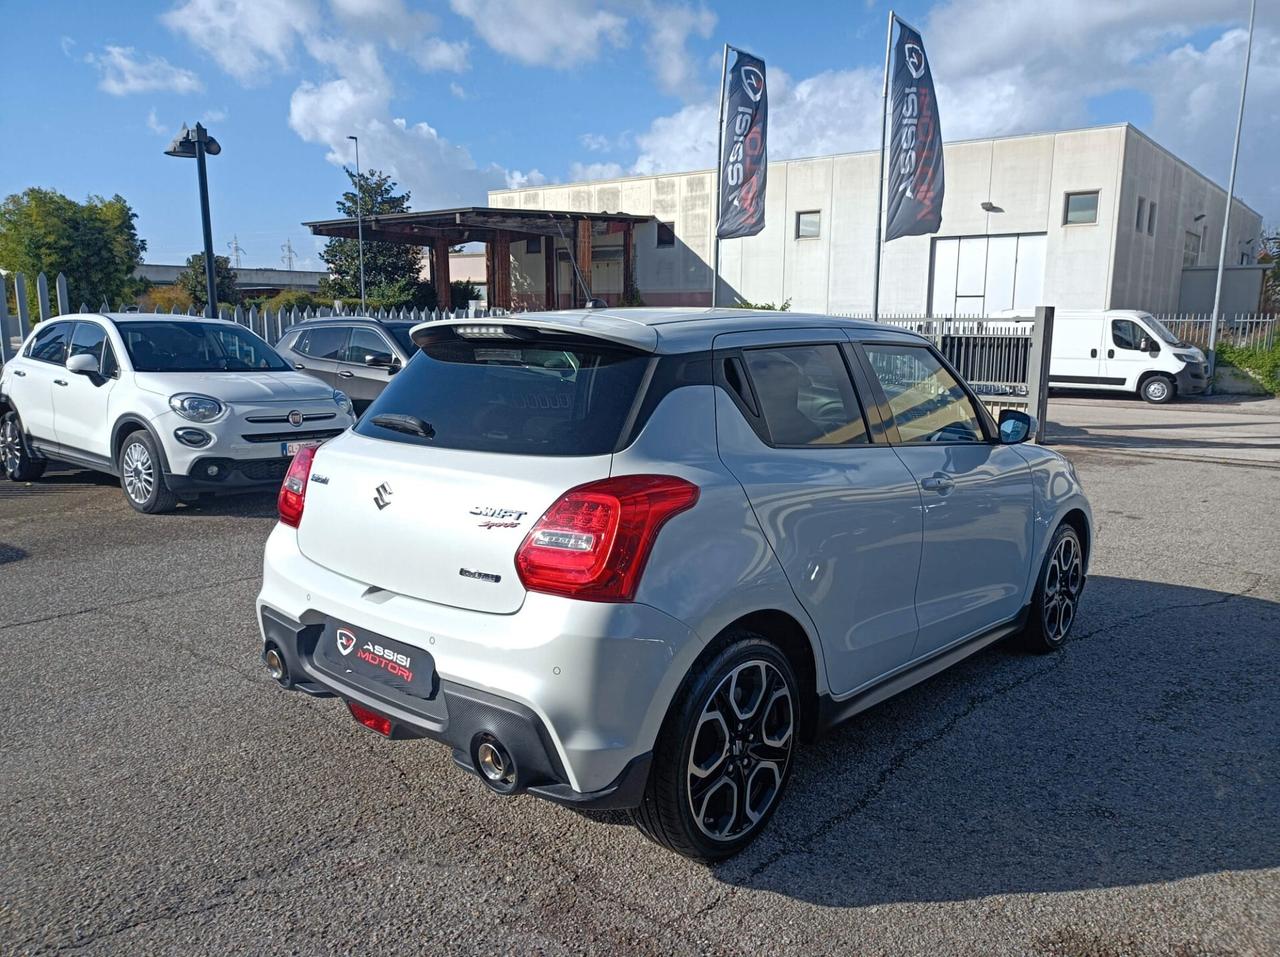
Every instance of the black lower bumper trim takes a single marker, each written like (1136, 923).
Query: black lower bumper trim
(454, 716)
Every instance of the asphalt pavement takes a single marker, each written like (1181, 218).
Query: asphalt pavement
(161, 795)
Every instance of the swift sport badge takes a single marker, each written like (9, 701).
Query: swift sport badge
(498, 517)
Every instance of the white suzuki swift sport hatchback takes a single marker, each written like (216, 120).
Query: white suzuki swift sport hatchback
(631, 559)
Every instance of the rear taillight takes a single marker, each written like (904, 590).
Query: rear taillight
(594, 541)
(293, 491)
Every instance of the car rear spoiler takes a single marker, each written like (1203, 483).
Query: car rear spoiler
(610, 328)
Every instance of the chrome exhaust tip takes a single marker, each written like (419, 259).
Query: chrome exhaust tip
(495, 764)
(275, 664)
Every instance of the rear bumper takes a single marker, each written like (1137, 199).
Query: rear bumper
(583, 686)
(455, 716)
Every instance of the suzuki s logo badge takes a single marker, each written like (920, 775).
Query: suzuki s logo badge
(753, 83)
(295, 418)
(346, 641)
(382, 498)
(914, 57)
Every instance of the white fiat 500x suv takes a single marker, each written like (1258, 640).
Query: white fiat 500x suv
(173, 406)
(630, 559)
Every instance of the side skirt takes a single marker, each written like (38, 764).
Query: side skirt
(832, 712)
(87, 460)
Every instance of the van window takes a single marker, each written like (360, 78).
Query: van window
(567, 397)
(1127, 334)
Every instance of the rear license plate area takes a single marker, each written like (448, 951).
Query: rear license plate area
(375, 663)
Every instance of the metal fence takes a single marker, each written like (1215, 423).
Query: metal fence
(267, 323)
(1002, 359)
(1244, 329)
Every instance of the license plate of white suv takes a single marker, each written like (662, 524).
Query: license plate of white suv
(290, 449)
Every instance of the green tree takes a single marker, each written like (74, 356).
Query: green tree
(391, 270)
(95, 244)
(192, 280)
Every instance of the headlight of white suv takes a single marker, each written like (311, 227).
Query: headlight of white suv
(196, 407)
(343, 402)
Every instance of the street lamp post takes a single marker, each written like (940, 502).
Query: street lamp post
(359, 222)
(197, 144)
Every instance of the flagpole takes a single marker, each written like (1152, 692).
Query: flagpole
(884, 122)
(715, 228)
(1231, 189)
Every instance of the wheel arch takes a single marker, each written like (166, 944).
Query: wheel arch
(793, 640)
(1077, 519)
(1150, 374)
(125, 426)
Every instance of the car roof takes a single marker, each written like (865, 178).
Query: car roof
(321, 320)
(124, 317)
(671, 330)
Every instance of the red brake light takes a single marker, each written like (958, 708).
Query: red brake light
(594, 541)
(370, 719)
(293, 491)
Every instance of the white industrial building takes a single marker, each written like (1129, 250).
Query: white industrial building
(1093, 218)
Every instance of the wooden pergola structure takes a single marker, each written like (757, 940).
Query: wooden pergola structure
(497, 228)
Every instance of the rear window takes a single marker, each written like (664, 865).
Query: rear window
(550, 398)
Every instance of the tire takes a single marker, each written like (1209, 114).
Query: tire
(1158, 389)
(1057, 598)
(141, 475)
(708, 757)
(15, 454)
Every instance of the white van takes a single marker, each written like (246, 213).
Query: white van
(1121, 350)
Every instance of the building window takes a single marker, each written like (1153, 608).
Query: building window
(533, 246)
(1142, 214)
(1191, 249)
(666, 234)
(809, 224)
(1151, 219)
(983, 275)
(1080, 208)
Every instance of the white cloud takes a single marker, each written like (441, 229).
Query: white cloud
(555, 33)
(358, 101)
(247, 38)
(1037, 68)
(68, 45)
(154, 124)
(213, 116)
(432, 53)
(671, 25)
(584, 171)
(124, 73)
(458, 90)
(517, 179)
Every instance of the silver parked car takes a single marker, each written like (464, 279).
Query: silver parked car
(632, 558)
(356, 354)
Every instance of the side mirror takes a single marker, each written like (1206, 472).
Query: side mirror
(1016, 427)
(83, 364)
(378, 361)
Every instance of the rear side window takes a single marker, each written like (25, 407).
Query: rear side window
(567, 398)
(806, 396)
(323, 342)
(50, 343)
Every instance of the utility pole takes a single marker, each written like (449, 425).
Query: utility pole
(359, 221)
(287, 258)
(1231, 191)
(236, 249)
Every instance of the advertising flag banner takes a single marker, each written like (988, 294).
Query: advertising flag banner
(744, 158)
(915, 143)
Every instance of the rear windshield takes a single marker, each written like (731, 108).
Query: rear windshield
(568, 398)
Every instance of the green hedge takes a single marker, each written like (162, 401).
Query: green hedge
(1264, 363)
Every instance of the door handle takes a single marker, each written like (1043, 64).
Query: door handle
(937, 483)
(1093, 354)
(298, 365)
(59, 381)
(1111, 353)
(345, 374)
(19, 373)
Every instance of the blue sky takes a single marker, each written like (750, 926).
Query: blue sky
(456, 97)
